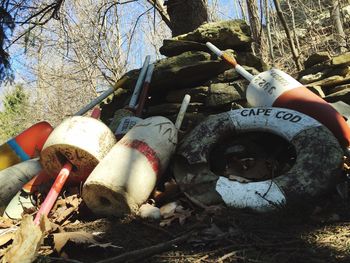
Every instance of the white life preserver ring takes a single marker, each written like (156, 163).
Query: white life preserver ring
(318, 159)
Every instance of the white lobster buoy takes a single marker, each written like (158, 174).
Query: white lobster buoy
(13, 178)
(125, 178)
(83, 141)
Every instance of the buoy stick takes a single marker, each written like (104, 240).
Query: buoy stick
(145, 89)
(54, 192)
(57, 186)
(230, 60)
(100, 98)
(137, 89)
(182, 111)
(96, 113)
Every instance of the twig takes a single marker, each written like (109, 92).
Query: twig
(148, 251)
(56, 259)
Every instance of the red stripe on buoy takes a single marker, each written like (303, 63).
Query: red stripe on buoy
(305, 101)
(147, 151)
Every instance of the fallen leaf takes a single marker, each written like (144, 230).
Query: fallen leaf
(65, 208)
(26, 243)
(6, 235)
(5, 222)
(168, 210)
(78, 238)
(179, 213)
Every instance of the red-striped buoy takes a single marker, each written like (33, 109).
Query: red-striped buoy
(278, 89)
(126, 177)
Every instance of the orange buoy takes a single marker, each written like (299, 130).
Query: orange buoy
(276, 88)
(24, 146)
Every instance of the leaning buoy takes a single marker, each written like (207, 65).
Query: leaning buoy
(13, 178)
(125, 178)
(318, 159)
(24, 146)
(81, 141)
(276, 88)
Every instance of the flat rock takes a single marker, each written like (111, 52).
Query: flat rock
(198, 94)
(314, 70)
(174, 47)
(171, 108)
(330, 81)
(220, 94)
(343, 95)
(337, 88)
(312, 77)
(187, 70)
(316, 58)
(341, 59)
(232, 75)
(233, 34)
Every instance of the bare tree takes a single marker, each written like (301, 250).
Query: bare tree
(290, 40)
(186, 16)
(338, 25)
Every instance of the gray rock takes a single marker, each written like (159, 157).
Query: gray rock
(220, 94)
(341, 70)
(172, 108)
(312, 77)
(250, 60)
(173, 47)
(314, 70)
(316, 58)
(330, 81)
(198, 94)
(233, 34)
(337, 88)
(343, 95)
(341, 59)
(187, 70)
(232, 75)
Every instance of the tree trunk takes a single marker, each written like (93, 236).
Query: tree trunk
(268, 30)
(186, 16)
(254, 21)
(289, 35)
(338, 25)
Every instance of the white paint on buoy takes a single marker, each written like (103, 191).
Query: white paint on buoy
(83, 141)
(267, 86)
(260, 196)
(282, 122)
(125, 178)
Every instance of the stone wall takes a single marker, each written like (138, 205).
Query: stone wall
(190, 68)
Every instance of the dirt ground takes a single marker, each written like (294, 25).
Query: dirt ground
(314, 233)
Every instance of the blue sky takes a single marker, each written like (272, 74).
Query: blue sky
(226, 10)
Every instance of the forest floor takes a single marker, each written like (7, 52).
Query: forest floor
(317, 233)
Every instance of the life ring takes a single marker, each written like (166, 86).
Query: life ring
(317, 164)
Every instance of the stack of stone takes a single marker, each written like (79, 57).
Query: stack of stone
(190, 68)
(328, 77)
